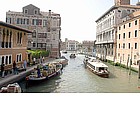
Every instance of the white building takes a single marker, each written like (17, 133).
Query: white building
(106, 28)
(45, 26)
(71, 45)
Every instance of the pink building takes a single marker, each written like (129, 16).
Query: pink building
(128, 42)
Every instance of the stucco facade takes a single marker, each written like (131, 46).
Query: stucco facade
(128, 40)
(106, 29)
(46, 27)
(71, 45)
(13, 44)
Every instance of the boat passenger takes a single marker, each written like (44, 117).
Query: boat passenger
(38, 71)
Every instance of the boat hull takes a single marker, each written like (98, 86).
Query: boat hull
(103, 75)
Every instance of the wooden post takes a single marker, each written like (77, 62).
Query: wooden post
(120, 61)
(139, 69)
(130, 67)
(127, 62)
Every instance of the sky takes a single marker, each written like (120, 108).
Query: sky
(77, 16)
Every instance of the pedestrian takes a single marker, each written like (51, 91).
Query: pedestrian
(25, 64)
(15, 68)
(2, 70)
(34, 60)
(43, 59)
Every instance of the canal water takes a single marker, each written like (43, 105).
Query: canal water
(75, 78)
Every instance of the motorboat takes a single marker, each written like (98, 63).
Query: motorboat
(72, 55)
(97, 67)
(64, 51)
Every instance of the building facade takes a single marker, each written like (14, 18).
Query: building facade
(87, 47)
(13, 45)
(71, 45)
(122, 2)
(46, 27)
(106, 28)
(128, 43)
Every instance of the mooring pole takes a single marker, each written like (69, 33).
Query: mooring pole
(130, 67)
(139, 70)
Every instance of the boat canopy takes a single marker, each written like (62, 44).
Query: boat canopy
(98, 64)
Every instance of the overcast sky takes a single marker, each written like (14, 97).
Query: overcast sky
(78, 16)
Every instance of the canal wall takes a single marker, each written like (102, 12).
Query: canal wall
(12, 78)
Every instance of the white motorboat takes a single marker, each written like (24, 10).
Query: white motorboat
(97, 67)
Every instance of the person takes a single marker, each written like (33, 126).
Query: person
(14, 68)
(25, 64)
(2, 70)
(43, 59)
(38, 71)
(34, 60)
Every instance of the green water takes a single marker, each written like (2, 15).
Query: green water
(75, 78)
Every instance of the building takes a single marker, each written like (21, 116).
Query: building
(71, 45)
(122, 2)
(87, 47)
(13, 45)
(128, 43)
(45, 26)
(106, 28)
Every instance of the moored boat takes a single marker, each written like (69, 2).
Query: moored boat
(11, 88)
(72, 55)
(64, 51)
(43, 72)
(97, 67)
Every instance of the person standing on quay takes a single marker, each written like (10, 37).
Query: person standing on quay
(2, 70)
(14, 68)
(25, 64)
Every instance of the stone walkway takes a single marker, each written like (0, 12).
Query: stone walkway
(11, 78)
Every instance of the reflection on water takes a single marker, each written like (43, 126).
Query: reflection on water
(75, 78)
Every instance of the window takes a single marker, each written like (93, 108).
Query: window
(119, 36)
(136, 33)
(25, 11)
(135, 45)
(27, 21)
(123, 35)
(119, 46)
(35, 12)
(10, 59)
(19, 58)
(129, 46)
(123, 45)
(118, 54)
(129, 24)
(124, 26)
(129, 34)
(34, 34)
(135, 22)
(6, 61)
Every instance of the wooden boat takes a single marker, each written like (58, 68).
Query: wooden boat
(11, 88)
(46, 71)
(64, 51)
(72, 55)
(97, 67)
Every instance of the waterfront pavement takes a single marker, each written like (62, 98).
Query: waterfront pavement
(11, 78)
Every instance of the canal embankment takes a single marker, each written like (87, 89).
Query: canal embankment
(11, 78)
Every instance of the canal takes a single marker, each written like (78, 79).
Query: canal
(75, 78)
